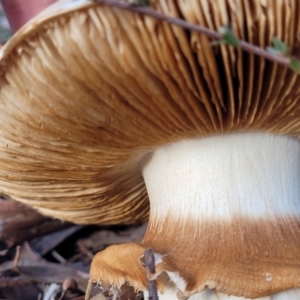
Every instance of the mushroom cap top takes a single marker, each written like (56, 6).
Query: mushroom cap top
(88, 91)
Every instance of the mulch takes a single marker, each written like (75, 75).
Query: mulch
(46, 259)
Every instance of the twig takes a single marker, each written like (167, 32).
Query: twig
(84, 250)
(58, 257)
(63, 294)
(286, 61)
(17, 258)
(69, 284)
(149, 262)
(75, 257)
(88, 291)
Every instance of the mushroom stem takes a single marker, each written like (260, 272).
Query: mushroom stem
(225, 212)
(250, 175)
(170, 294)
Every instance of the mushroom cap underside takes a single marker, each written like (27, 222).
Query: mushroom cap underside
(88, 91)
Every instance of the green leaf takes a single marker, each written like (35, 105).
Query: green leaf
(140, 3)
(280, 46)
(228, 36)
(273, 51)
(295, 65)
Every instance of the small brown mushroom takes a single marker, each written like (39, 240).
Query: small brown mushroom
(101, 108)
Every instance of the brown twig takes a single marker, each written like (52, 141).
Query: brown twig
(17, 258)
(76, 257)
(144, 10)
(84, 250)
(149, 262)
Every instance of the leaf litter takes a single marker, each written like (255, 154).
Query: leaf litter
(56, 266)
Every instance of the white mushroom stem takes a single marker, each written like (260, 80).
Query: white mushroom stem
(170, 294)
(246, 175)
(224, 212)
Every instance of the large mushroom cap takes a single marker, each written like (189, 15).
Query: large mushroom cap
(87, 91)
(92, 97)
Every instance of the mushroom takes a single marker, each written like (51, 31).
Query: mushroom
(101, 108)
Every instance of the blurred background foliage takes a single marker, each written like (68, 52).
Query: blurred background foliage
(5, 32)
